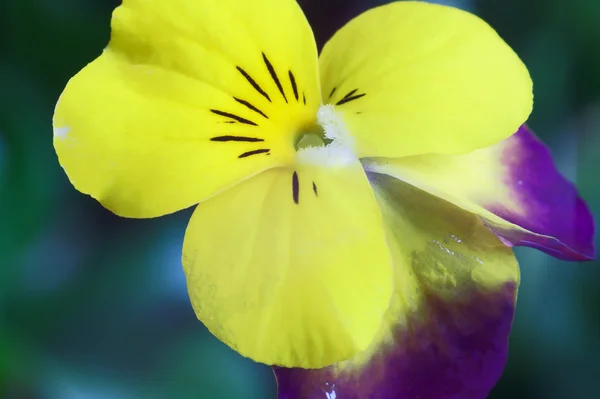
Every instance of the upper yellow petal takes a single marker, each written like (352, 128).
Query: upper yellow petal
(291, 267)
(189, 98)
(413, 78)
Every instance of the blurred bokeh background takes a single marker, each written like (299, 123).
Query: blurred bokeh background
(95, 307)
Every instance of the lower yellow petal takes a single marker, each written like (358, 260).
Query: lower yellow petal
(415, 78)
(291, 267)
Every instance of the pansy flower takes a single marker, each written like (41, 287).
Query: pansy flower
(356, 207)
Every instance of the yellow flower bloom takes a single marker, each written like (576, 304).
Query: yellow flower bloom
(227, 103)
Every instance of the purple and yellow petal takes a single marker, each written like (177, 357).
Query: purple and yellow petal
(552, 206)
(514, 186)
(458, 357)
(446, 332)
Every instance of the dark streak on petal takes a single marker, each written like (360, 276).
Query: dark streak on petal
(237, 138)
(250, 106)
(349, 94)
(295, 188)
(255, 152)
(304, 98)
(274, 76)
(348, 99)
(294, 86)
(315, 189)
(253, 83)
(233, 116)
(332, 93)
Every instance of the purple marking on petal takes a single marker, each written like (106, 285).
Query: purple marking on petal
(553, 206)
(451, 350)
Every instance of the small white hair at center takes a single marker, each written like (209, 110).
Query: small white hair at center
(333, 124)
(340, 151)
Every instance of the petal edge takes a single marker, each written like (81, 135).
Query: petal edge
(513, 186)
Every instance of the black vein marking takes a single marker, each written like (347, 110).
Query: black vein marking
(274, 76)
(332, 93)
(295, 188)
(233, 116)
(304, 98)
(349, 94)
(315, 189)
(250, 106)
(237, 138)
(294, 86)
(253, 83)
(255, 152)
(348, 99)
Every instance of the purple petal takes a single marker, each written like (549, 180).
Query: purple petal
(554, 209)
(459, 356)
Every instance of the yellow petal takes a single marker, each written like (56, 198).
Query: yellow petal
(443, 256)
(414, 78)
(291, 267)
(189, 98)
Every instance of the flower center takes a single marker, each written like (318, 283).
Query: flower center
(313, 138)
(328, 142)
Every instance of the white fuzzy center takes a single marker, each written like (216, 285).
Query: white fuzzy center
(340, 148)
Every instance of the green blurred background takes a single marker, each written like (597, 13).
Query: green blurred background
(94, 307)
